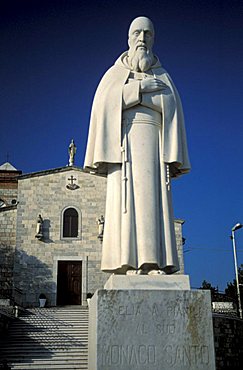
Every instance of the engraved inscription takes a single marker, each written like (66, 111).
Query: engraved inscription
(186, 355)
(183, 310)
(173, 310)
(166, 327)
(163, 327)
(131, 310)
(176, 310)
(129, 355)
(142, 328)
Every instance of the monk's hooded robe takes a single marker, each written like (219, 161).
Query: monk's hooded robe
(139, 142)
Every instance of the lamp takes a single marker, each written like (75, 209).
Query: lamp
(234, 228)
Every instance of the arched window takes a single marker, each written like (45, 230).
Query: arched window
(70, 223)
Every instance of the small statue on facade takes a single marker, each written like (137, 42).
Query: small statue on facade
(72, 149)
(101, 223)
(39, 228)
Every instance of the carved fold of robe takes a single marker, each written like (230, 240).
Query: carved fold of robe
(139, 215)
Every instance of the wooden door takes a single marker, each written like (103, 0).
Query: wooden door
(69, 278)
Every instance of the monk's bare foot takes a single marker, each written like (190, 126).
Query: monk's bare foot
(151, 269)
(134, 272)
(131, 272)
(156, 272)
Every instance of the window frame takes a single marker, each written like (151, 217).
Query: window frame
(78, 237)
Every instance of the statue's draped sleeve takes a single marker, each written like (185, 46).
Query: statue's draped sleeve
(104, 141)
(130, 95)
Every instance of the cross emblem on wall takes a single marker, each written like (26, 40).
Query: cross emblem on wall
(72, 185)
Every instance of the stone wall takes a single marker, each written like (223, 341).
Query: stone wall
(228, 339)
(7, 248)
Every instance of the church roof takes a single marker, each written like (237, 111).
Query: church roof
(7, 167)
(53, 171)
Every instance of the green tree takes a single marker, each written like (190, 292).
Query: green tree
(214, 291)
(231, 290)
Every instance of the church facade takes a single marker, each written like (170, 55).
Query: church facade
(51, 235)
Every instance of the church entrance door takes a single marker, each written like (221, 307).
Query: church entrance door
(69, 287)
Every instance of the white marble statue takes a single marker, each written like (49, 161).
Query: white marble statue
(72, 149)
(39, 227)
(137, 138)
(101, 224)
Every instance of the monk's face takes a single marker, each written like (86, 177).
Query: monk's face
(141, 35)
(140, 41)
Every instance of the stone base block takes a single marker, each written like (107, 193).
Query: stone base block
(151, 330)
(148, 282)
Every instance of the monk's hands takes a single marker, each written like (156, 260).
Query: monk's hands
(152, 84)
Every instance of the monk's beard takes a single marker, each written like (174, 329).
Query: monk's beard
(140, 60)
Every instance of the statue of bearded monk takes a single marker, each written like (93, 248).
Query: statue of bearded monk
(137, 138)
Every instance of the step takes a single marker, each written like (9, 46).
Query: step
(32, 325)
(82, 343)
(36, 340)
(42, 355)
(52, 322)
(28, 325)
(52, 332)
(39, 328)
(22, 358)
(52, 314)
(55, 335)
(49, 367)
(36, 354)
(54, 359)
(51, 347)
(46, 365)
(44, 349)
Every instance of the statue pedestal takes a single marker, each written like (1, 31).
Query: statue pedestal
(145, 282)
(148, 328)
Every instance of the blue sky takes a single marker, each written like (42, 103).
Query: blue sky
(53, 54)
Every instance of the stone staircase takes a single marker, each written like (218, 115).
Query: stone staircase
(48, 338)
